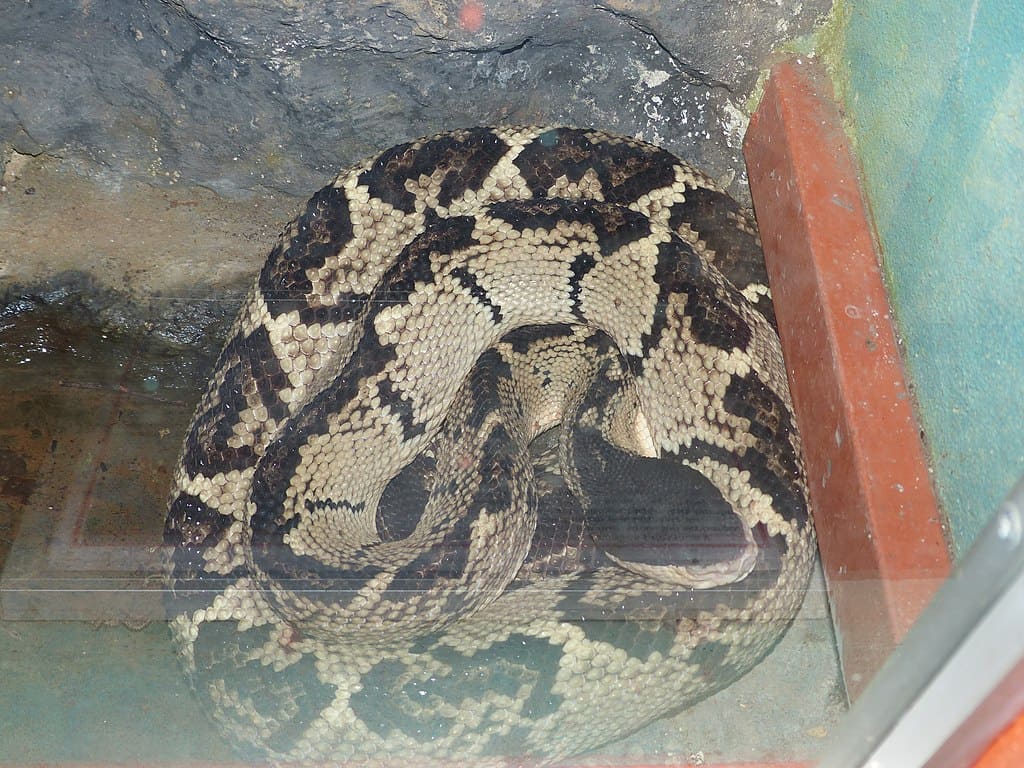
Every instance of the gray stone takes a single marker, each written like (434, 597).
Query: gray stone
(243, 96)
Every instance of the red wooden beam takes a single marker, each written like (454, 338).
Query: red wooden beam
(878, 523)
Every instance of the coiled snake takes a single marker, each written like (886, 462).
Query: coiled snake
(498, 460)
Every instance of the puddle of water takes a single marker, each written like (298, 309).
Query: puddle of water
(93, 415)
(93, 409)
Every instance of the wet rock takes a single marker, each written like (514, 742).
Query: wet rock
(239, 96)
(75, 300)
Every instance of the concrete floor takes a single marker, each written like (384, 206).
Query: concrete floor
(92, 413)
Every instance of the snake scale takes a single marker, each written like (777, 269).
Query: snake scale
(498, 461)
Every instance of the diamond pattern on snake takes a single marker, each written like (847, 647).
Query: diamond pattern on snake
(498, 460)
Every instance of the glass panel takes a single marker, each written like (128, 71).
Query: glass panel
(92, 432)
(664, 602)
(955, 681)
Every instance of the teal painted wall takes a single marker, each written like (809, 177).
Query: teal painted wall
(934, 91)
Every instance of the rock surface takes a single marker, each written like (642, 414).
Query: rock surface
(242, 96)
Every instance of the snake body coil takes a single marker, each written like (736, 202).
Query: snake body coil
(499, 459)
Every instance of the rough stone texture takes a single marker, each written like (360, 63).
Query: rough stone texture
(245, 95)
